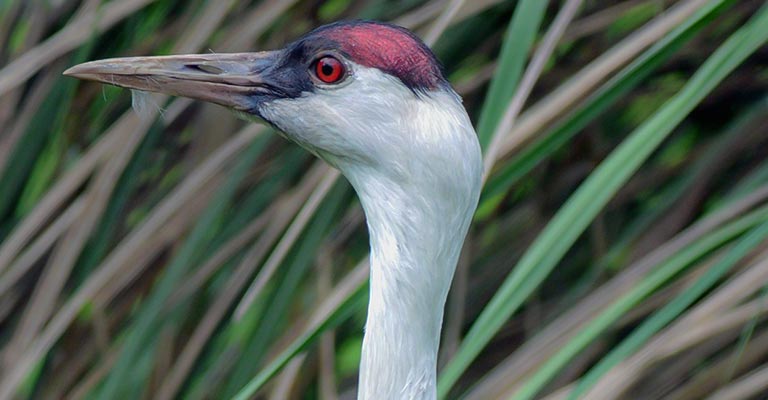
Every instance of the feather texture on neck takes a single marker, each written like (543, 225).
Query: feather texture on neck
(417, 224)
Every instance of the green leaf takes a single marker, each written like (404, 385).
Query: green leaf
(286, 286)
(660, 275)
(664, 316)
(124, 379)
(590, 198)
(597, 104)
(357, 300)
(669, 312)
(515, 49)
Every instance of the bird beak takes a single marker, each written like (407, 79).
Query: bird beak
(231, 80)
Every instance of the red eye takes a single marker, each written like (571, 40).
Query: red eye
(329, 69)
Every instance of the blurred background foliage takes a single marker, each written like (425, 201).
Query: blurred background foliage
(619, 251)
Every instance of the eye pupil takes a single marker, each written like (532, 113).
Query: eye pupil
(329, 69)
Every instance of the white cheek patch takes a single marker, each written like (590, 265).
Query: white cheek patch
(372, 120)
(345, 113)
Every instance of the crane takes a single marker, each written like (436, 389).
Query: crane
(371, 100)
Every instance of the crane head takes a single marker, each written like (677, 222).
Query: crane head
(353, 92)
(371, 100)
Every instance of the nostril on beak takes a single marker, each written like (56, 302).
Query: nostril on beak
(208, 69)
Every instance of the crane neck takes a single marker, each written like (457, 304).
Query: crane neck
(417, 229)
(416, 165)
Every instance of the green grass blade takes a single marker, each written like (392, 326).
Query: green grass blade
(29, 151)
(357, 300)
(666, 198)
(590, 198)
(98, 245)
(662, 274)
(124, 379)
(292, 271)
(517, 44)
(676, 307)
(606, 96)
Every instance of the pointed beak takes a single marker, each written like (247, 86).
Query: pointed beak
(231, 80)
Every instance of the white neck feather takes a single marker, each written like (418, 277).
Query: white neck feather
(413, 257)
(417, 225)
